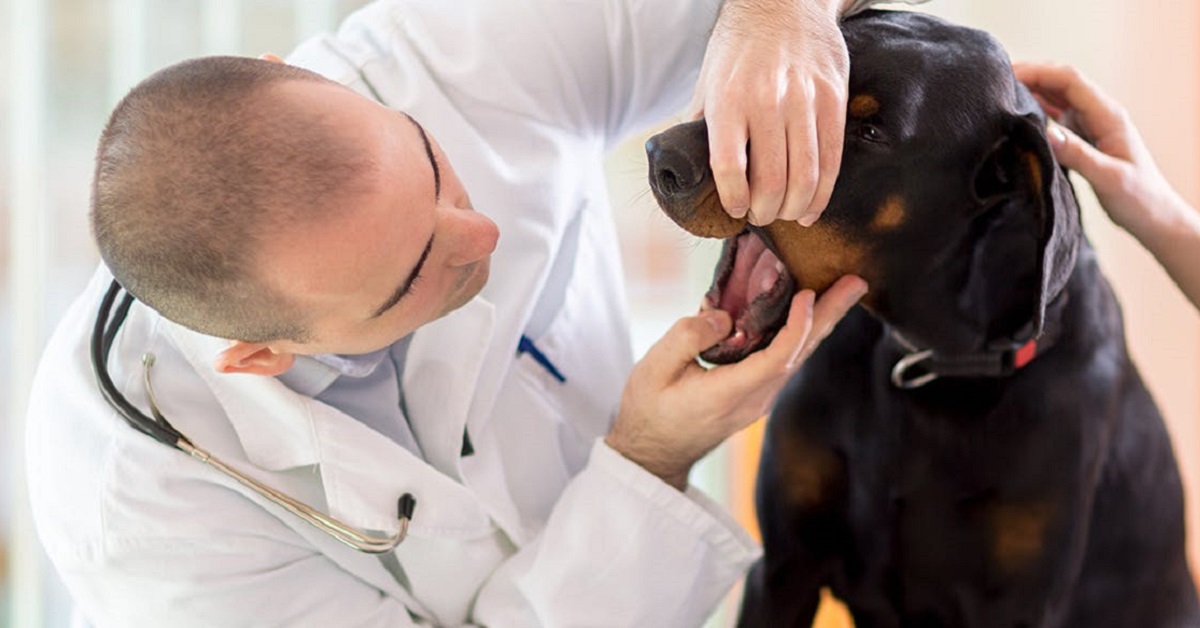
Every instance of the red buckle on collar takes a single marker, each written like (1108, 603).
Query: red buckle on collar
(1025, 354)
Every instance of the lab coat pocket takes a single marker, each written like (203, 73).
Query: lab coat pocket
(587, 339)
(564, 387)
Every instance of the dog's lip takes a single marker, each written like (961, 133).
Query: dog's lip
(758, 315)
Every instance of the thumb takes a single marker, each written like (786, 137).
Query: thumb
(1075, 153)
(678, 348)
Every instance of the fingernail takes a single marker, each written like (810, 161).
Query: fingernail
(1057, 137)
(713, 319)
(809, 220)
(860, 293)
(738, 212)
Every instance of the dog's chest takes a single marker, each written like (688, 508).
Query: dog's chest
(945, 510)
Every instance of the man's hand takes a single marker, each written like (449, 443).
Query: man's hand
(674, 411)
(774, 81)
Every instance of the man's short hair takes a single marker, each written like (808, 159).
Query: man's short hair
(195, 166)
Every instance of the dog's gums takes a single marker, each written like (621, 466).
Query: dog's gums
(749, 283)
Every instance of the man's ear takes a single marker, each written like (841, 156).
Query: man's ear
(254, 358)
(270, 57)
(1021, 175)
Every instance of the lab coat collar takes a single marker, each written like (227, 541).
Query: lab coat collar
(276, 426)
(362, 472)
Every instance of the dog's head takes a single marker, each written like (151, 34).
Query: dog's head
(949, 201)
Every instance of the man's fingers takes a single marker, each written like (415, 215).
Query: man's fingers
(727, 157)
(769, 366)
(678, 348)
(768, 168)
(831, 308)
(802, 162)
(831, 133)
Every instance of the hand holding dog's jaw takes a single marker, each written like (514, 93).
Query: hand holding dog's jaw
(773, 91)
(674, 411)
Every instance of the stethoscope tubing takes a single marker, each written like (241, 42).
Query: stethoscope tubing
(159, 428)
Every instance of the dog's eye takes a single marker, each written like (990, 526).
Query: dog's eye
(870, 133)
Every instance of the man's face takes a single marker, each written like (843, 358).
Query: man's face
(400, 248)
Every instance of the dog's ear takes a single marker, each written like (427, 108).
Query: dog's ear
(1020, 175)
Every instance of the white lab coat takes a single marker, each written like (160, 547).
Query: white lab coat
(543, 525)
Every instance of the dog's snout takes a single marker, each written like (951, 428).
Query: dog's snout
(672, 171)
(678, 159)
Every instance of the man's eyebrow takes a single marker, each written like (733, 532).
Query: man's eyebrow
(407, 284)
(437, 174)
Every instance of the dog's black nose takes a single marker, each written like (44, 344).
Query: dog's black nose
(673, 170)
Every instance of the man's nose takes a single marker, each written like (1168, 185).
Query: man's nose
(475, 237)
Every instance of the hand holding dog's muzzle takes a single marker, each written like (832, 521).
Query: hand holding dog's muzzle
(773, 89)
(674, 410)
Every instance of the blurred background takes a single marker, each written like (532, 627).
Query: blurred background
(64, 64)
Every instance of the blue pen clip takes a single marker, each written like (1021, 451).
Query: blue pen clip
(526, 346)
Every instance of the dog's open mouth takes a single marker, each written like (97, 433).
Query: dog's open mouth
(752, 285)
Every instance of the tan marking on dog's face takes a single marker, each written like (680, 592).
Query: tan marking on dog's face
(807, 473)
(863, 106)
(890, 215)
(1019, 534)
(817, 256)
(705, 217)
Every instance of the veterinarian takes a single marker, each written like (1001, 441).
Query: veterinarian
(378, 435)
(1122, 172)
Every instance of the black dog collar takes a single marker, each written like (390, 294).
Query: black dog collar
(922, 366)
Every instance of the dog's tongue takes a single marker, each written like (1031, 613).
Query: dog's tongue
(755, 272)
(754, 289)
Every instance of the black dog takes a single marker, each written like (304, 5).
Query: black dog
(973, 446)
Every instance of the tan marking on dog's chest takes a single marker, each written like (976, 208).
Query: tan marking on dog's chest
(891, 214)
(1018, 534)
(864, 106)
(807, 473)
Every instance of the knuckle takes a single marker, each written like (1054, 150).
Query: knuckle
(725, 169)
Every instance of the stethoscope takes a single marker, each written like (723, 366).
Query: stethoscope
(160, 429)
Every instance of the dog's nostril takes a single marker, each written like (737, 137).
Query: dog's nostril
(672, 172)
(668, 181)
(678, 160)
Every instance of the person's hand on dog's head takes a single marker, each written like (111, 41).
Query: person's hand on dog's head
(1127, 182)
(774, 84)
(674, 411)
(1116, 162)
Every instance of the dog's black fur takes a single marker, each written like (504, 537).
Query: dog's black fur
(1046, 497)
